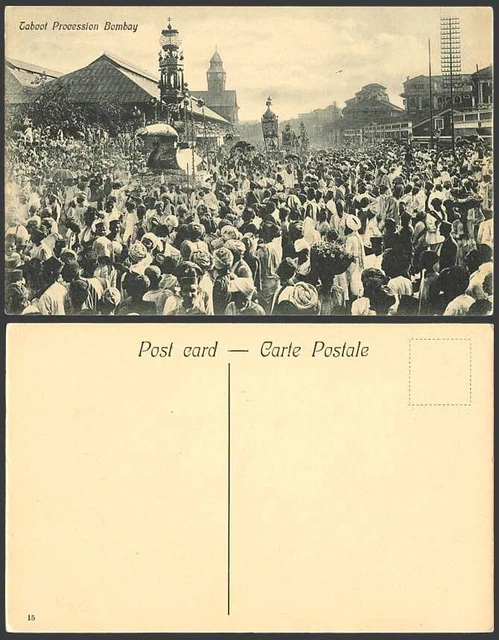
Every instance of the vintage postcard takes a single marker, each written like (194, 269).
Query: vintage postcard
(231, 475)
(249, 161)
(312, 477)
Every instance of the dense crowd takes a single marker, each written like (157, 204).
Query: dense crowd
(386, 229)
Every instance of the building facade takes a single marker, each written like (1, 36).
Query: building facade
(470, 90)
(221, 100)
(476, 121)
(472, 105)
(483, 86)
(392, 131)
(370, 105)
(416, 94)
(319, 122)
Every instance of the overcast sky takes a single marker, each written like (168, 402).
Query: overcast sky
(292, 53)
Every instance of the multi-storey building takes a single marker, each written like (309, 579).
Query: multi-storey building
(482, 86)
(370, 105)
(416, 94)
(470, 90)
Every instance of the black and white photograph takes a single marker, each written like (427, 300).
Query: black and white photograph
(249, 324)
(249, 161)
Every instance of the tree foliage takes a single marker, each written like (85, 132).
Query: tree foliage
(52, 108)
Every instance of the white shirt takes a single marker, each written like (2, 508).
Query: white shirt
(400, 286)
(313, 206)
(362, 307)
(459, 306)
(475, 286)
(288, 179)
(51, 303)
(331, 206)
(211, 202)
(486, 233)
(20, 232)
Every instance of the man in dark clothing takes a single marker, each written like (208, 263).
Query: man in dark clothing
(448, 251)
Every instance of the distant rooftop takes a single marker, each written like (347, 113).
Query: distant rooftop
(486, 72)
(110, 78)
(33, 68)
(130, 67)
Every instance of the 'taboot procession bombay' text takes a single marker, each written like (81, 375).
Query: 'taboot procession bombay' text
(79, 26)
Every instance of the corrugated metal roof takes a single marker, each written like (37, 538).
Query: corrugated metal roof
(28, 78)
(102, 81)
(130, 67)
(149, 83)
(144, 83)
(108, 80)
(33, 68)
(15, 93)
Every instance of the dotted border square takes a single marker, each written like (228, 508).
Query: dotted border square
(413, 404)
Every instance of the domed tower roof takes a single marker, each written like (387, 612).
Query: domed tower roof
(269, 114)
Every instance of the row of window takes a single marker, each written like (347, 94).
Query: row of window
(387, 134)
(413, 101)
(470, 117)
(387, 127)
(465, 117)
(457, 84)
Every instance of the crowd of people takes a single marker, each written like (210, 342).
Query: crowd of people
(386, 229)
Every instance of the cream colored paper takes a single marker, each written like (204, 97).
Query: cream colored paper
(360, 498)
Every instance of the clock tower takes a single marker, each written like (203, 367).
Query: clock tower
(216, 75)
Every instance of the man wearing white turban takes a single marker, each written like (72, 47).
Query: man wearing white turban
(139, 257)
(241, 304)
(355, 246)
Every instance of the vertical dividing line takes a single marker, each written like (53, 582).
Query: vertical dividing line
(228, 488)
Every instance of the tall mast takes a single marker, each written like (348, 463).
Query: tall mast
(451, 93)
(450, 45)
(431, 94)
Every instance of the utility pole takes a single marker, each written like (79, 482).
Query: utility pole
(450, 45)
(206, 140)
(201, 104)
(431, 94)
(451, 98)
(186, 130)
(193, 144)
